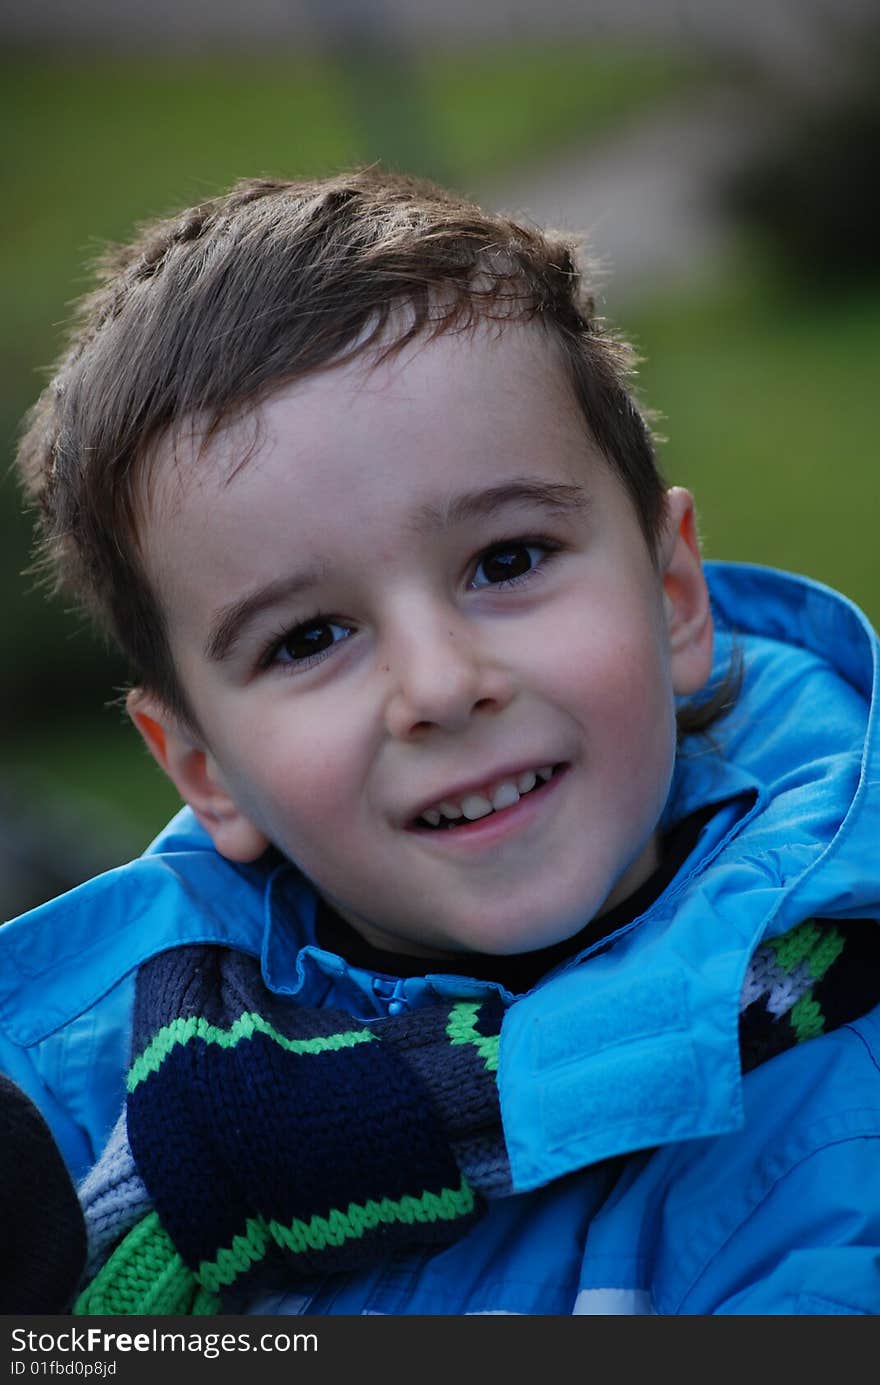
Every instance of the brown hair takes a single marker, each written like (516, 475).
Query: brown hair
(209, 311)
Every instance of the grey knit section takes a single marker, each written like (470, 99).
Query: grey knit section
(112, 1196)
(484, 1163)
(462, 1088)
(783, 989)
(464, 1092)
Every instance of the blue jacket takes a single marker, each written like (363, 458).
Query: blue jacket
(650, 1176)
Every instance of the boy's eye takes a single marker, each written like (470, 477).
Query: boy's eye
(508, 562)
(308, 642)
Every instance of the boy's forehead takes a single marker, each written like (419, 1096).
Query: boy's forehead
(461, 384)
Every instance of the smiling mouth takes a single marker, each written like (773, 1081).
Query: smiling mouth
(496, 798)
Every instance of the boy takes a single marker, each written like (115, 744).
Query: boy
(352, 473)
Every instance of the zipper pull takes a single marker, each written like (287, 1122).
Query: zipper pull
(391, 991)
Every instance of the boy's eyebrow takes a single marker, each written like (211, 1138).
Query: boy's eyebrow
(229, 622)
(549, 495)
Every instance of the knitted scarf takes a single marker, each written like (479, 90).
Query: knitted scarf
(264, 1143)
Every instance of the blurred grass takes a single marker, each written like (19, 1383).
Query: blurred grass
(768, 404)
(96, 144)
(102, 763)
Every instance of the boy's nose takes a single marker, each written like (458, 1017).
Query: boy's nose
(441, 677)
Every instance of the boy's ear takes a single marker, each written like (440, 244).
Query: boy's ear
(197, 778)
(685, 595)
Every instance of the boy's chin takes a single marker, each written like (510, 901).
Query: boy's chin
(465, 938)
(507, 939)
(485, 926)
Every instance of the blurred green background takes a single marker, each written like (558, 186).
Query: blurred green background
(761, 358)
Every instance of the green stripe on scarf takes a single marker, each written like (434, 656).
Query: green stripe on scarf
(146, 1275)
(183, 1031)
(462, 1029)
(818, 946)
(333, 1230)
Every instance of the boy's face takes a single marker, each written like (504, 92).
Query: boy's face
(425, 587)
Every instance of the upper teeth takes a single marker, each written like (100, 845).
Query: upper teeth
(477, 805)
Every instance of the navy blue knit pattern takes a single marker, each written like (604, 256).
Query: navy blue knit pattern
(224, 1135)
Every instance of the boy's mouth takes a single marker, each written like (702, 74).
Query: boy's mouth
(493, 798)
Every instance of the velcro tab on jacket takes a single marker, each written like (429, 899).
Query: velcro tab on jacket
(596, 1064)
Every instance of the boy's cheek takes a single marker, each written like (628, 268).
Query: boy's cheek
(608, 676)
(301, 793)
